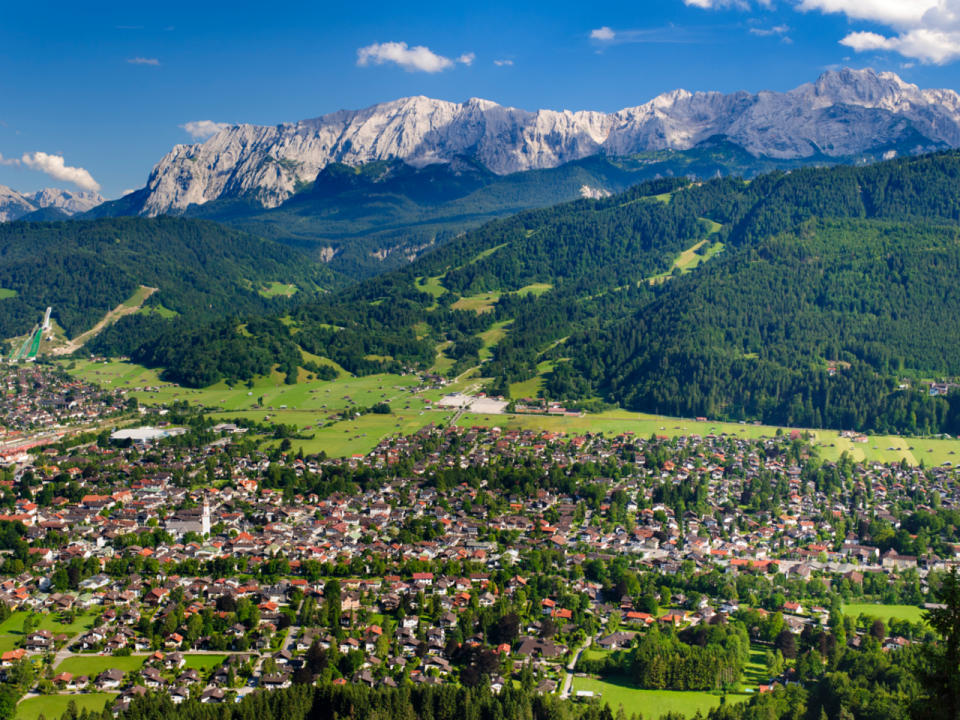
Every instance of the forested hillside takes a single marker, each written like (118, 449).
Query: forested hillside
(822, 297)
(85, 268)
(374, 218)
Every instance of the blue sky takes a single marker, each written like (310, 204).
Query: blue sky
(93, 94)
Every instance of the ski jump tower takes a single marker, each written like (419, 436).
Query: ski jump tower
(46, 320)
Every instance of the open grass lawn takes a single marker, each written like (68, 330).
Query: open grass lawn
(690, 259)
(82, 623)
(203, 662)
(54, 706)
(431, 285)
(491, 337)
(755, 671)
(530, 388)
(278, 289)
(649, 703)
(138, 297)
(13, 625)
(7, 293)
(594, 654)
(910, 613)
(484, 302)
(478, 303)
(93, 665)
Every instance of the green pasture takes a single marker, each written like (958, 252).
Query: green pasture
(54, 706)
(93, 665)
(910, 613)
(278, 289)
(649, 703)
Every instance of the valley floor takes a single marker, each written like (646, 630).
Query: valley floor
(327, 413)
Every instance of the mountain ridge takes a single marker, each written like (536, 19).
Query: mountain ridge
(842, 113)
(15, 205)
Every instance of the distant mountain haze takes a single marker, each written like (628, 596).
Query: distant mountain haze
(14, 205)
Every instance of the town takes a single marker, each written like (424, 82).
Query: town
(183, 555)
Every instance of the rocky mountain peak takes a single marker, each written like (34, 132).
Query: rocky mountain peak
(842, 113)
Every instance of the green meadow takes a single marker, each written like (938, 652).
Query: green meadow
(54, 706)
(910, 613)
(310, 403)
(649, 703)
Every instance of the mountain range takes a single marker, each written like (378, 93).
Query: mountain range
(844, 113)
(47, 204)
(371, 190)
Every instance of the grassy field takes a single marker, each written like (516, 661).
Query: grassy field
(93, 665)
(484, 302)
(54, 706)
(530, 388)
(310, 403)
(7, 293)
(160, 310)
(690, 259)
(755, 672)
(278, 289)
(885, 612)
(491, 337)
(594, 654)
(203, 662)
(13, 625)
(650, 703)
(828, 443)
(431, 285)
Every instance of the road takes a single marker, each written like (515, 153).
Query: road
(571, 666)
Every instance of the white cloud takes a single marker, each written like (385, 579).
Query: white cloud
(411, 59)
(923, 44)
(55, 167)
(603, 34)
(895, 13)
(767, 32)
(203, 129)
(143, 61)
(503, 63)
(724, 4)
(8, 161)
(924, 30)
(127, 192)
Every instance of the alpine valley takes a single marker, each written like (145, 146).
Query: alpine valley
(694, 211)
(369, 190)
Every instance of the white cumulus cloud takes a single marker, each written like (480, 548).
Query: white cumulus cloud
(603, 34)
(56, 167)
(8, 161)
(924, 30)
(203, 129)
(412, 59)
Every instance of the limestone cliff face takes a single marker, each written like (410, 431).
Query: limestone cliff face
(842, 113)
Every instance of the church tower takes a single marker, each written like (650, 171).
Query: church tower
(205, 518)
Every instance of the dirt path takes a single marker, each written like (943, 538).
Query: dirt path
(128, 307)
